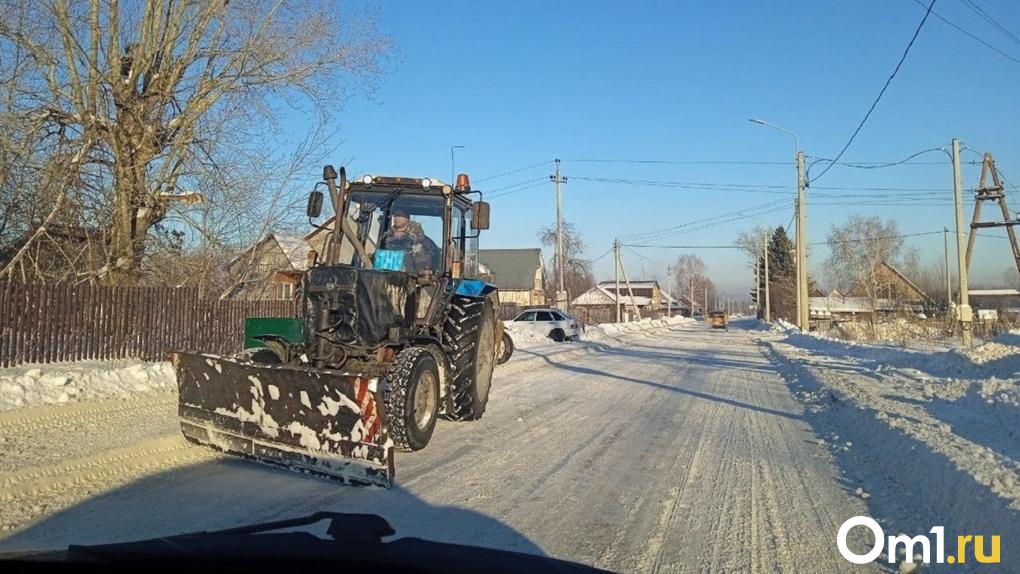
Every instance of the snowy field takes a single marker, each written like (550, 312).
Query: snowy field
(651, 446)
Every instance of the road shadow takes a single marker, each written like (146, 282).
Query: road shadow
(674, 360)
(229, 492)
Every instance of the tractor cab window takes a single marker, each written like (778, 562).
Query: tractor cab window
(464, 243)
(400, 232)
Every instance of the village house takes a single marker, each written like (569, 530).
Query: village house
(519, 273)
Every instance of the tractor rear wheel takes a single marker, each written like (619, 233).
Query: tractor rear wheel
(470, 333)
(412, 399)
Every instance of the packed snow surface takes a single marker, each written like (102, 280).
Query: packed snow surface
(653, 446)
(68, 382)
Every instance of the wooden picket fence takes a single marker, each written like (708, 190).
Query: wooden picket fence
(50, 323)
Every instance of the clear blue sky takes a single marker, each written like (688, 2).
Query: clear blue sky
(520, 83)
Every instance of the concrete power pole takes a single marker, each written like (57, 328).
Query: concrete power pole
(768, 301)
(802, 282)
(630, 292)
(561, 294)
(616, 259)
(669, 280)
(949, 285)
(964, 310)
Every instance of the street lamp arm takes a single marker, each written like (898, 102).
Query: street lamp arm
(796, 140)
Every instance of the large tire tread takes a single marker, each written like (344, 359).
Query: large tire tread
(397, 394)
(462, 330)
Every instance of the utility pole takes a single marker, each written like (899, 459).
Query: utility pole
(630, 292)
(616, 259)
(757, 288)
(802, 283)
(704, 311)
(768, 302)
(669, 280)
(964, 310)
(949, 285)
(561, 294)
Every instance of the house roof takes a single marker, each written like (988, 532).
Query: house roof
(599, 295)
(513, 268)
(822, 305)
(993, 292)
(295, 248)
(643, 284)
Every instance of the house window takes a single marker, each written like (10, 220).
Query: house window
(284, 291)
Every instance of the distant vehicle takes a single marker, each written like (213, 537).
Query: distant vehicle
(553, 323)
(718, 320)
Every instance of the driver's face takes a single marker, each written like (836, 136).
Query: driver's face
(400, 223)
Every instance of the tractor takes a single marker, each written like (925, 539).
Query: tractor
(396, 330)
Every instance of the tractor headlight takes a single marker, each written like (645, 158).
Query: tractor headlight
(367, 180)
(426, 183)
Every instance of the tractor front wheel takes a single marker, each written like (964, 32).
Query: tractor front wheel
(412, 399)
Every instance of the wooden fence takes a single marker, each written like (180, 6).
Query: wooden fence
(48, 323)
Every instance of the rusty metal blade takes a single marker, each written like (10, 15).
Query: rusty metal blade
(320, 421)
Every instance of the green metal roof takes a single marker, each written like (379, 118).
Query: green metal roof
(513, 268)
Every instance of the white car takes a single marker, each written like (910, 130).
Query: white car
(551, 323)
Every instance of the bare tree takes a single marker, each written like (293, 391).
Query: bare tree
(136, 111)
(577, 273)
(691, 279)
(857, 250)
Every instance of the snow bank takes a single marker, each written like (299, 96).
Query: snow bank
(954, 411)
(31, 385)
(523, 337)
(605, 331)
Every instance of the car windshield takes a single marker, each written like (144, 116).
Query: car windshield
(648, 286)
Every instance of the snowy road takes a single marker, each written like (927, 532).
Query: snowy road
(677, 450)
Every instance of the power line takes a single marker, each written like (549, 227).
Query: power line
(881, 93)
(881, 165)
(988, 18)
(608, 251)
(676, 162)
(513, 171)
(970, 35)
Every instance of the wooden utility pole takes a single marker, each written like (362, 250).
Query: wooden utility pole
(965, 314)
(995, 192)
(561, 294)
(802, 282)
(704, 311)
(616, 259)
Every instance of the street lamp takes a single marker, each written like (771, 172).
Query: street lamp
(453, 169)
(803, 299)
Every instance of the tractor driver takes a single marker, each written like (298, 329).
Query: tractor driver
(420, 252)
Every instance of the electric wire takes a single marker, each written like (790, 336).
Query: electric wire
(513, 171)
(988, 18)
(881, 93)
(974, 37)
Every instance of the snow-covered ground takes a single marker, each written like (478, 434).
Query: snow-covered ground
(932, 438)
(55, 383)
(652, 446)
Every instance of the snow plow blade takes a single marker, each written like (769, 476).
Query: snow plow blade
(319, 421)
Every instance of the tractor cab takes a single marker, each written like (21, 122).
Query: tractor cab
(415, 225)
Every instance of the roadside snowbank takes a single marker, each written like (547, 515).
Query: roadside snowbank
(605, 331)
(523, 337)
(31, 385)
(949, 419)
